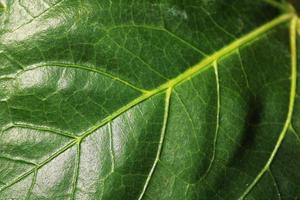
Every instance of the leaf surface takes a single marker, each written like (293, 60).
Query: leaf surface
(149, 100)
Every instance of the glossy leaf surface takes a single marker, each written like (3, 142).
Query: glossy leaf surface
(173, 99)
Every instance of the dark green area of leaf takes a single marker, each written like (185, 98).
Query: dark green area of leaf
(163, 100)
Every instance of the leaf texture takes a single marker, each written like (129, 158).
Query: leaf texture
(173, 99)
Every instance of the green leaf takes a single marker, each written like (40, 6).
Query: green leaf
(149, 99)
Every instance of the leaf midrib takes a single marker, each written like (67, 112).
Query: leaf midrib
(191, 72)
(196, 69)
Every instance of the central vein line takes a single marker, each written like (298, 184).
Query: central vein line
(226, 50)
(204, 64)
(293, 41)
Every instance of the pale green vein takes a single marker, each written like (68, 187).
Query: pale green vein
(111, 148)
(11, 59)
(53, 156)
(217, 120)
(280, 6)
(76, 172)
(243, 69)
(204, 64)
(162, 29)
(32, 185)
(189, 117)
(293, 131)
(226, 50)
(275, 184)
(161, 142)
(221, 28)
(139, 58)
(42, 13)
(118, 112)
(293, 35)
(90, 69)
(194, 70)
(25, 8)
(40, 128)
(22, 161)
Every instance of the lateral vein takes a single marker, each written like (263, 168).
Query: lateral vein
(25, 174)
(161, 141)
(33, 181)
(226, 50)
(293, 34)
(89, 69)
(76, 172)
(217, 121)
(275, 4)
(204, 64)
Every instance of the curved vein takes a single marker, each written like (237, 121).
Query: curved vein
(170, 84)
(42, 13)
(28, 194)
(220, 27)
(276, 4)
(217, 121)
(102, 73)
(287, 123)
(40, 128)
(139, 58)
(111, 150)
(162, 29)
(161, 142)
(76, 66)
(227, 50)
(193, 129)
(294, 132)
(204, 64)
(76, 172)
(275, 184)
(22, 161)
(25, 174)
